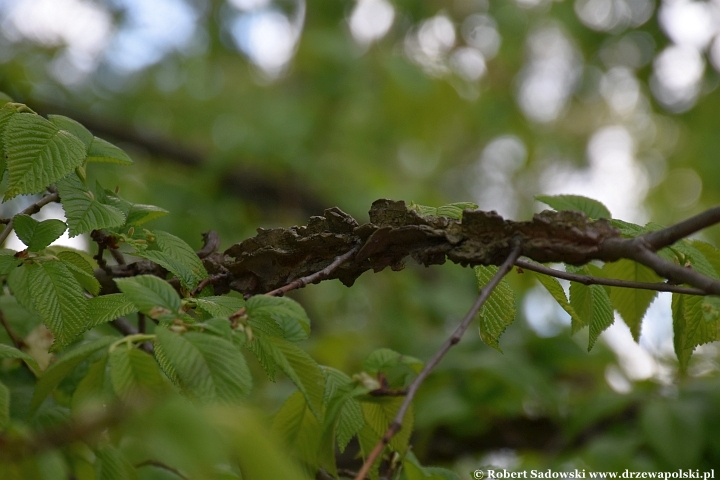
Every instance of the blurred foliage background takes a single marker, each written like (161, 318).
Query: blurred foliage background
(242, 114)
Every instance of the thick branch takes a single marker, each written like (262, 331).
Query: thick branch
(668, 236)
(435, 360)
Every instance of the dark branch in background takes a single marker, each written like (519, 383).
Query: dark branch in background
(412, 389)
(611, 282)
(159, 464)
(123, 326)
(253, 187)
(211, 242)
(32, 209)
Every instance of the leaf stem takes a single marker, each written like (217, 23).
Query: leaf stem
(412, 389)
(138, 337)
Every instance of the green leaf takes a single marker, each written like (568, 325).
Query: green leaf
(273, 352)
(65, 364)
(592, 305)
(136, 213)
(37, 235)
(378, 415)
(452, 210)
(711, 254)
(558, 293)
(59, 300)
(4, 98)
(711, 308)
(689, 326)
(220, 306)
(103, 151)
(133, 372)
(631, 303)
(591, 208)
(628, 229)
(176, 256)
(207, 366)
(675, 429)
(289, 315)
(6, 112)
(498, 311)
(384, 359)
(6, 351)
(343, 415)
(696, 258)
(107, 308)
(84, 213)
(4, 406)
(19, 282)
(94, 386)
(81, 270)
(150, 294)
(8, 263)
(412, 470)
(113, 465)
(72, 126)
(38, 154)
(301, 430)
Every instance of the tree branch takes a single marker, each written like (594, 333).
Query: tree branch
(159, 464)
(611, 282)
(412, 389)
(667, 236)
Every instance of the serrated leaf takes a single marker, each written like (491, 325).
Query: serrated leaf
(273, 352)
(696, 258)
(711, 254)
(499, 309)
(452, 210)
(113, 465)
(37, 235)
(94, 385)
(84, 213)
(378, 416)
(150, 294)
(59, 300)
(65, 364)
(6, 112)
(176, 256)
(629, 230)
(81, 270)
(19, 282)
(384, 359)
(6, 351)
(107, 308)
(103, 151)
(689, 326)
(220, 306)
(38, 154)
(72, 126)
(133, 371)
(135, 213)
(593, 306)
(412, 470)
(558, 293)
(711, 308)
(289, 315)
(590, 207)
(8, 263)
(4, 406)
(301, 430)
(631, 303)
(208, 366)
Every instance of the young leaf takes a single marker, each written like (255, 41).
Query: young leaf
(72, 126)
(208, 366)
(301, 430)
(593, 307)
(378, 416)
(690, 328)
(60, 301)
(628, 229)
(558, 293)
(84, 213)
(37, 235)
(696, 258)
(133, 371)
(150, 294)
(499, 309)
(38, 154)
(176, 256)
(591, 208)
(81, 270)
(6, 351)
(135, 213)
(107, 308)
(294, 362)
(343, 416)
(452, 210)
(8, 263)
(103, 151)
(285, 312)
(113, 465)
(631, 303)
(65, 364)
(384, 359)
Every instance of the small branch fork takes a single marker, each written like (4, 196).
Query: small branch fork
(412, 389)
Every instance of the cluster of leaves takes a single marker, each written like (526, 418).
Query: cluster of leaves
(197, 340)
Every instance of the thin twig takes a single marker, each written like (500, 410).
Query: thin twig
(159, 464)
(117, 256)
(211, 241)
(669, 235)
(208, 281)
(315, 277)
(412, 389)
(141, 323)
(122, 325)
(32, 209)
(611, 282)
(17, 341)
